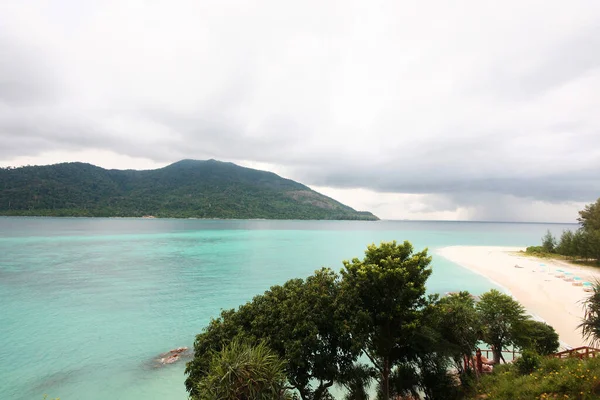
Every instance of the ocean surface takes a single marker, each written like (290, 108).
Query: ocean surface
(87, 304)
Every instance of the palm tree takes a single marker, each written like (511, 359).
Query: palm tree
(590, 325)
(356, 380)
(244, 372)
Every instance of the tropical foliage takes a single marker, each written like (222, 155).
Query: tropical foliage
(186, 189)
(551, 378)
(583, 244)
(302, 321)
(372, 325)
(537, 336)
(502, 315)
(386, 290)
(243, 372)
(459, 327)
(590, 325)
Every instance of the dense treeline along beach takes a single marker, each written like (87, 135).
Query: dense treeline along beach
(185, 189)
(582, 245)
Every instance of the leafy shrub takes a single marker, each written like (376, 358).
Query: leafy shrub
(535, 250)
(242, 371)
(538, 337)
(554, 378)
(528, 362)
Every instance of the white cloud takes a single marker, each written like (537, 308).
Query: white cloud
(403, 105)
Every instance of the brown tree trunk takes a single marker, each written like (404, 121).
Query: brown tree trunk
(497, 354)
(386, 378)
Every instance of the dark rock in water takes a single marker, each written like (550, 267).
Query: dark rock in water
(172, 356)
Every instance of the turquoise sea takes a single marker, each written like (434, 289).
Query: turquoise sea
(86, 304)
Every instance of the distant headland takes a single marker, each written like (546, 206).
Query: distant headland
(185, 189)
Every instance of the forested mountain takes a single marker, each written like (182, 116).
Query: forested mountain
(188, 188)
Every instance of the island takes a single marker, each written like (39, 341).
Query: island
(185, 189)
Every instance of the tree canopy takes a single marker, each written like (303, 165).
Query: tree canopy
(501, 316)
(590, 325)
(387, 291)
(459, 326)
(589, 217)
(243, 372)
(186, 189)
(301, 321)
(372, 322)
(537, 336)
(583, 244)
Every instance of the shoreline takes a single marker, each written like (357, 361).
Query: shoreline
(182, 218)
(534, 284)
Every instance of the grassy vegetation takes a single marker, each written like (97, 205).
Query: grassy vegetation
(552, 379)
(539, 252)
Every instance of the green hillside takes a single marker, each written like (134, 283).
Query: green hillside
(188, 188)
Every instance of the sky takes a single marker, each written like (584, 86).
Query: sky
(468, 110)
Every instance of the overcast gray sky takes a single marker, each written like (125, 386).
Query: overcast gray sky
(478, 109)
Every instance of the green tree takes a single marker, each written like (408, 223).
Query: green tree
(243, 372)
(302, 321)
(589, 242)
(434, 379)
(565, 244)
(219, 333)
(549, 242)
(590, 325)
(356, 380)
(581, 246)
(589, 217)
(306, 324)
(593, 239)
(537, 336)
(459, 327)
(501, 315)
(386, 290)
(404, 382)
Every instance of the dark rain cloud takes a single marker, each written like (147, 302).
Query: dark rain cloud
(465, 103)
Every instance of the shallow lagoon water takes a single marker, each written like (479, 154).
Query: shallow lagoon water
(86, 304)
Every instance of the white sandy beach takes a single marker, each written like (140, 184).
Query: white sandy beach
(536, 286)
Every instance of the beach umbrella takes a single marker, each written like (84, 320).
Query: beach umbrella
(588, 284)
(577, 278)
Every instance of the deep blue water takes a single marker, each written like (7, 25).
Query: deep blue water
(86, 304)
